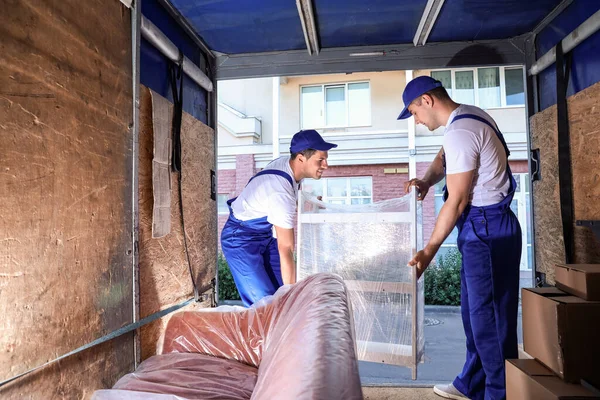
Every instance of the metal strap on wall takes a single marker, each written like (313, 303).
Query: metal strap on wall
(176, 75)
(126, 329)
(565, 178)
(136, 18)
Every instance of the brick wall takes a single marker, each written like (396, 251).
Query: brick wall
(227, 186)
(385, 186)
(227, 181)
(519, 167)
(245, 169)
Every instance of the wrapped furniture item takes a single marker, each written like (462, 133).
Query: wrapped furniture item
(296, 344)
(369, 246)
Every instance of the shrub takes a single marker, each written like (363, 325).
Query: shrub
(226, 287)
(442, 280)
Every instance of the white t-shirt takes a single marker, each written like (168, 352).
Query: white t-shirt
(472, 145)
(270, 196)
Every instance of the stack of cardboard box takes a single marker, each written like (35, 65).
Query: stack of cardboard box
(561, 331)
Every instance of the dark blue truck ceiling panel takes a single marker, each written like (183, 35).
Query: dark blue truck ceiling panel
(343, 23)
(461, 20)
(233, 26)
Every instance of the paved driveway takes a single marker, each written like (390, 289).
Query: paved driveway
(444, 353)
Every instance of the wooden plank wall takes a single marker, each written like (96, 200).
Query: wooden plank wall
(65, 194)
(164, 273)
(584, 114)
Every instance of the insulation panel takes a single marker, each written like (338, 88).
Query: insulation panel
(164, 274)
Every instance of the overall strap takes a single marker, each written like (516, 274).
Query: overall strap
(488, 123)
(274, 172)
(267, 172)
(498, 134)
(264, 172)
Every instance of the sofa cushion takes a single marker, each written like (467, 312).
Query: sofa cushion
(190, 376)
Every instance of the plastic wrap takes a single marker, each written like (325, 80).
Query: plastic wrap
(185, 376)
(234, 333)
(301, 339)
(369, 246)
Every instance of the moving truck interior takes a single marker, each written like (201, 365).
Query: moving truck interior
(108, 221)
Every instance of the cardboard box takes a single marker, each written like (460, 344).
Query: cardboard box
(530, 380)
(582, 280)
(562, 332)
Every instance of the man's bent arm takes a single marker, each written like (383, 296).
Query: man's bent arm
(435, 172)
(459, 191)
(285, 245)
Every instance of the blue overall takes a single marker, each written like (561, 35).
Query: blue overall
(251, 252)
(489, 240)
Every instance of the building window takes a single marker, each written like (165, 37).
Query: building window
(222, 207)
(445, 77)
(488, 86)
(450, 242)
(515, 88)
(351, 190)
(484, 87)
(335, 105)
(464, 88)
(521, 206)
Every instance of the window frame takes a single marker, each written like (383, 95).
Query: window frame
(521, 197)
(219, 196)
(348, 198)
(323, 124)
(438, 193)
(502, 72)
(503, 85)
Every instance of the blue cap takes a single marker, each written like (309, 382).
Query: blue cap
(416, 88)
(309, 139)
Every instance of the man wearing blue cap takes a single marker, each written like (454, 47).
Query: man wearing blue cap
(477, 196)
(259, 262)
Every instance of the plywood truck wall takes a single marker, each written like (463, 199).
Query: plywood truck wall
(65, 194)
(584, 114)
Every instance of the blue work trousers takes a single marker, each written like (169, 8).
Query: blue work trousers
(490, 243)
(253, 257)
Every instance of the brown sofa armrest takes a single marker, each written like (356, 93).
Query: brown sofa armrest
(310, 350)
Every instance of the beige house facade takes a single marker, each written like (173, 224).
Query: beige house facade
(376, 152)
